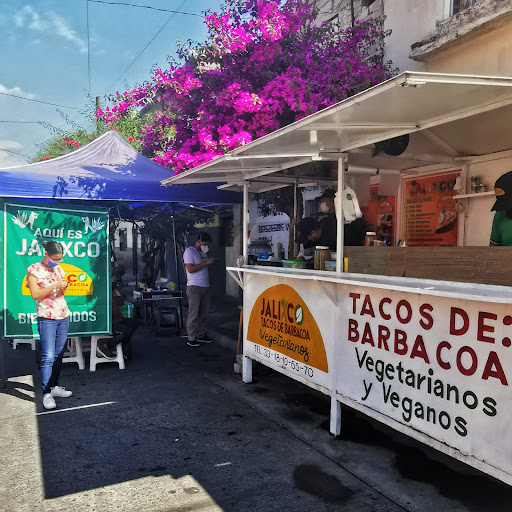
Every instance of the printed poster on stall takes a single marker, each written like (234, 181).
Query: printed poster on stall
(288, 329)
(83, 233)
(430, 215)
(380, 214)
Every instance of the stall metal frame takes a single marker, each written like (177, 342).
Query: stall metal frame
(451, 120)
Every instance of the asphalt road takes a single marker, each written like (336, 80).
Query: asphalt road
(178, 431)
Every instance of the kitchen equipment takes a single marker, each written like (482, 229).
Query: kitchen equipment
(330, 265)
(369, 238)
(322, 254)
(257, 247)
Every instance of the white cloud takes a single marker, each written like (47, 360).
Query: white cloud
(10, 144)
(17, 91)
(9, 159)
(67, 33)
(50, 24)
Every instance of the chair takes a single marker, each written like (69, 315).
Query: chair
(74, 352)
(17, 341)
(96, 360)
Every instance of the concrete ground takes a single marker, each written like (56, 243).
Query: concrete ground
(178, 431)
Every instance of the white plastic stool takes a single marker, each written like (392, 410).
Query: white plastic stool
(94, 356)
(17, 341)
(75, 353)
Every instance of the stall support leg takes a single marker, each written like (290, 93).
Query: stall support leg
(247, 370)
(335, 426)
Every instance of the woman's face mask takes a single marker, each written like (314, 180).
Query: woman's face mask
(52, 263)
(204, 248)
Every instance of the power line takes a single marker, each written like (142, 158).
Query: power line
(146, 7)
(14, 152)
(145, 47)
(37, 101)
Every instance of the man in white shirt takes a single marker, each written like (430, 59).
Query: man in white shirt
(198, 288)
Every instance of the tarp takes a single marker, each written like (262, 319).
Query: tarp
(106, 169)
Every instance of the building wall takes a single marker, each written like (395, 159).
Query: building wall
(487, 53)
(478, 215)
(409, 22)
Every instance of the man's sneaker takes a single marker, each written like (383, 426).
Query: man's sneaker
(60, 392)
(103, 349)
(205, 339)
(193, 343)
(48, 401)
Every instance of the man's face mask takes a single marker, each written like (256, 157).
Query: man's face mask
(204, 249)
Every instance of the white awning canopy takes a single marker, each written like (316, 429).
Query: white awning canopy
(448, 117)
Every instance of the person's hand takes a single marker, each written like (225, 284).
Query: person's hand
(61, 284)
(210, 261)
(293, 221)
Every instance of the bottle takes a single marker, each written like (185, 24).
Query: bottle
(322, 254)
(474, 184)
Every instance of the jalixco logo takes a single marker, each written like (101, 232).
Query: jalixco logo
(282, 310)
(281, 321)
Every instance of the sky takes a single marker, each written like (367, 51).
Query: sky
(46, 52)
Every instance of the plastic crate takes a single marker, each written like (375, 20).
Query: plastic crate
(127, 309)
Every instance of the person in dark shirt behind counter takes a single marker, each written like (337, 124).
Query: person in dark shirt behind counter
(311, 232)
(122, 329)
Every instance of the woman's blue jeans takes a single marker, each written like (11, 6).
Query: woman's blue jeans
(53, 334)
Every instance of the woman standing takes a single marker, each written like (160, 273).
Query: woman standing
(47, 284)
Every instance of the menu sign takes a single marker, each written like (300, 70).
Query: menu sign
(430, 215)
(380, 214)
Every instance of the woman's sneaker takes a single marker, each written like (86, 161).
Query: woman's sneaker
(60, 392)
(48, 401)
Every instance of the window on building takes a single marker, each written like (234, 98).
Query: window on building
(123, 239)
(460, 5)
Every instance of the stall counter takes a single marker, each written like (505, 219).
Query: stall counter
(431, 359)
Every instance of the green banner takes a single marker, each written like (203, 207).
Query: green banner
(83, 233)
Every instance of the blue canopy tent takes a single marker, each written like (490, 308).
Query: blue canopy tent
(107, 169)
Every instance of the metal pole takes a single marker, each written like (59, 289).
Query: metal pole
(339, 213)
(245, 223)
(295, 215)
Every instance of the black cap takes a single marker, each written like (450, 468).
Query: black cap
(328, 194)
(304, 228)
(503, 191)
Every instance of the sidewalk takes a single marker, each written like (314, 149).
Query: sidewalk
(178, 431)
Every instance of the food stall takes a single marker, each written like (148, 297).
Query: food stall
(409, 336)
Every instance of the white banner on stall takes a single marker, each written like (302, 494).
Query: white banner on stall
(435, 368)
